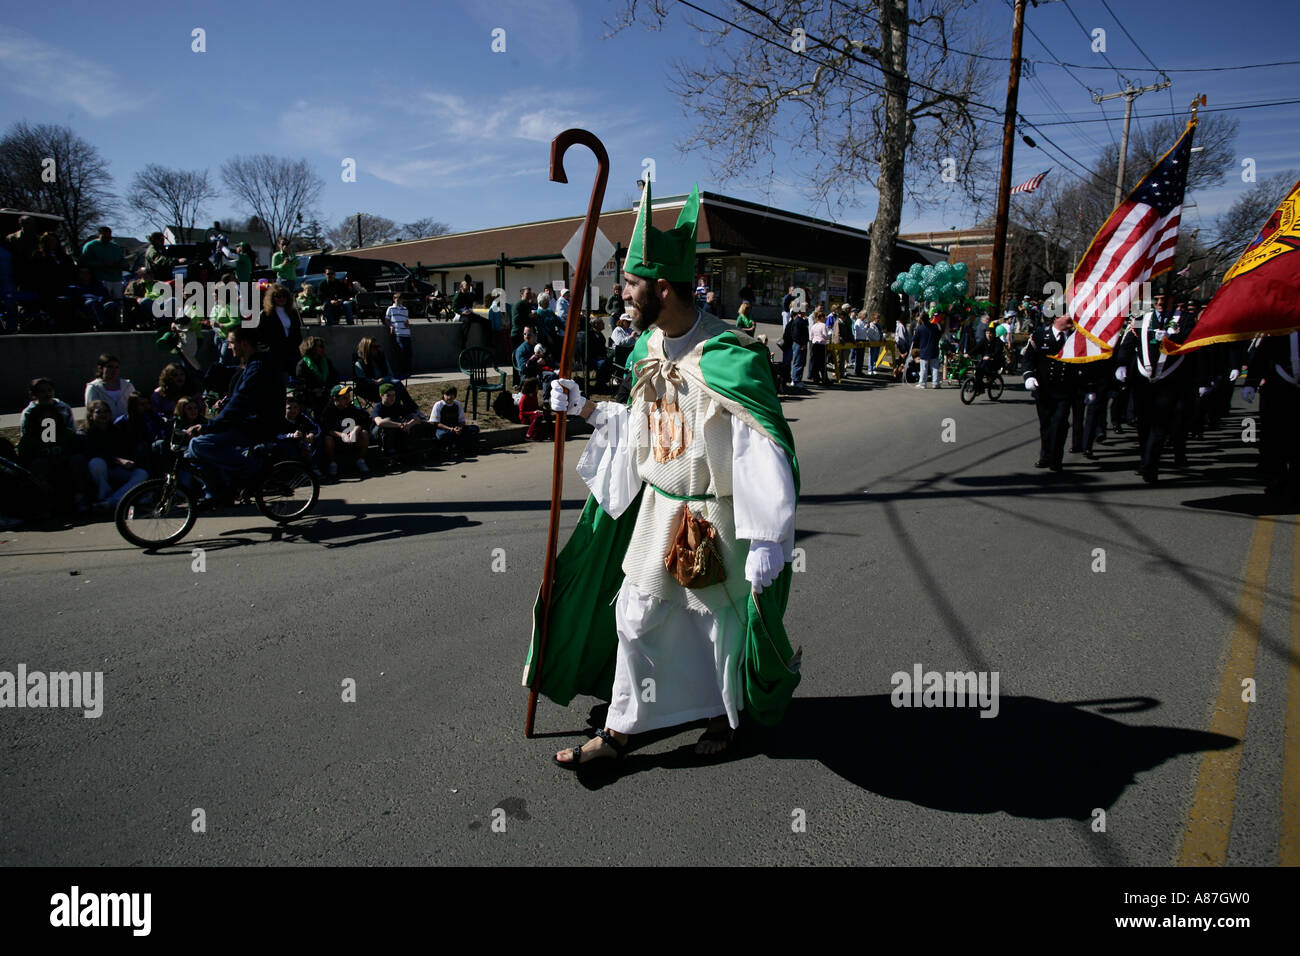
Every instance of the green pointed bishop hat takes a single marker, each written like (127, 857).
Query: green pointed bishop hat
(658, 254)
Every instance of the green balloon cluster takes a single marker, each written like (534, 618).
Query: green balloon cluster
(943, 282)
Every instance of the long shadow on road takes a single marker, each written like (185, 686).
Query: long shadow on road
(1037, 759)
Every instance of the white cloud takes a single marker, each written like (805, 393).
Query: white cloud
(55, 75)
(334, 129)
(542, 126)
(429, 173)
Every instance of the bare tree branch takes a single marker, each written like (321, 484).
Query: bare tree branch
(274, 189)
(164, 196)
(51, 169)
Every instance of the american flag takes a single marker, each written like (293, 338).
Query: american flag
(1029, 185)
(1136, 243)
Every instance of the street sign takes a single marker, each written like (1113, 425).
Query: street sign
(601, 250)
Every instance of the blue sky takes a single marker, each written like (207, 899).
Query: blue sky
(441, 126)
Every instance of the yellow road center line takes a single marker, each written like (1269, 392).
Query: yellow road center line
(1209, 821)
(1290, 849)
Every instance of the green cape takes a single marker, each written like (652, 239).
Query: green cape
(582, 643)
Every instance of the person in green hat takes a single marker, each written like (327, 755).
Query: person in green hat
(701, 438)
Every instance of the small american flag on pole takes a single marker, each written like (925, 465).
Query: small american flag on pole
(1136, 243)
(1029, 185)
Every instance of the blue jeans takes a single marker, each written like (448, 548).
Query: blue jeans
(332, 311)
(218, 456)
(873, 356)
(799, 354)
(465, 441)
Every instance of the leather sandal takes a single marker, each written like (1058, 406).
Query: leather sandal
(577, 760)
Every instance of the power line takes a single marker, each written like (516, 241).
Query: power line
(1188, 69)
(1163, 74)
(1078, 66)
(1070, 159)
(1090, 91)
(1203, 109)
(1104, 55)
(830, 66)
(911, 81)
(1060, 111)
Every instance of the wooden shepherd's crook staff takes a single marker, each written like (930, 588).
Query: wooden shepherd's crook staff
(581, 288)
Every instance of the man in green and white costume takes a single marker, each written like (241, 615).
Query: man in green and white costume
(703, 426)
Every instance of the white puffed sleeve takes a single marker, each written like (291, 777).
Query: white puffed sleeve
(762, 488)
(608, 464)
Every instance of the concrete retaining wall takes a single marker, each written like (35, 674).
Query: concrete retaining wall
(70, 359)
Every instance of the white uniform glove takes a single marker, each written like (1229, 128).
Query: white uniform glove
(1202, 390)
(1121, 374)
(566, 395)
(1247, 394)
(763, 564)
(1234, 375)
(1031, 383)
(1158, 334)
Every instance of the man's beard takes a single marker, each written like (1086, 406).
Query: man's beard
(647, 313)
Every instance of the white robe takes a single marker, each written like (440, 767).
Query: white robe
(679, 651)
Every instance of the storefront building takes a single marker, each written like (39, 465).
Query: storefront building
(742, 247)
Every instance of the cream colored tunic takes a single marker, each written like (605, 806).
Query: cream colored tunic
(679, 648)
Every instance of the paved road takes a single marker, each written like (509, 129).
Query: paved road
(1119, 689)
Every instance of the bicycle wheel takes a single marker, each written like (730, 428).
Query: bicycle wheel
(288, 491)
(995, 388)
(152, 515)
(968, 391)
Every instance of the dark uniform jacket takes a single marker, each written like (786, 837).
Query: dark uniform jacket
(1050, 374)
(1272, 360)
(1141, 354)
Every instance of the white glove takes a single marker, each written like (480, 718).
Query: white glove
(1248, 395)
(1121, 374)
(565, 394)
(1234, 375)
(1031, 383)
(1202, 390)
(1090, 398)
(1158, 334)
(763, 564)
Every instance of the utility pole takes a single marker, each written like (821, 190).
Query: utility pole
(1129, 94)
(1008, 145)
(359, 228)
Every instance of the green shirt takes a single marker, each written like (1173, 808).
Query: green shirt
(285, 266)
(244, 268)
(105, 260)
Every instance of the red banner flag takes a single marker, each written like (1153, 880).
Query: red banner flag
(1260, 294)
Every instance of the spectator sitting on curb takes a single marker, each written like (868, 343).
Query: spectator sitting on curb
(399, 429)
(110, 386)
(300, 435)
(371, 369)
(448, 416)
(113, 472)
(48, 448)
(345, 430)
(175, 382)
(532, 413)
(140, 427)
(314, 376)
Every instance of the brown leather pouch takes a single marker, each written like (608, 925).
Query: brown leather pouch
(693, 557)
